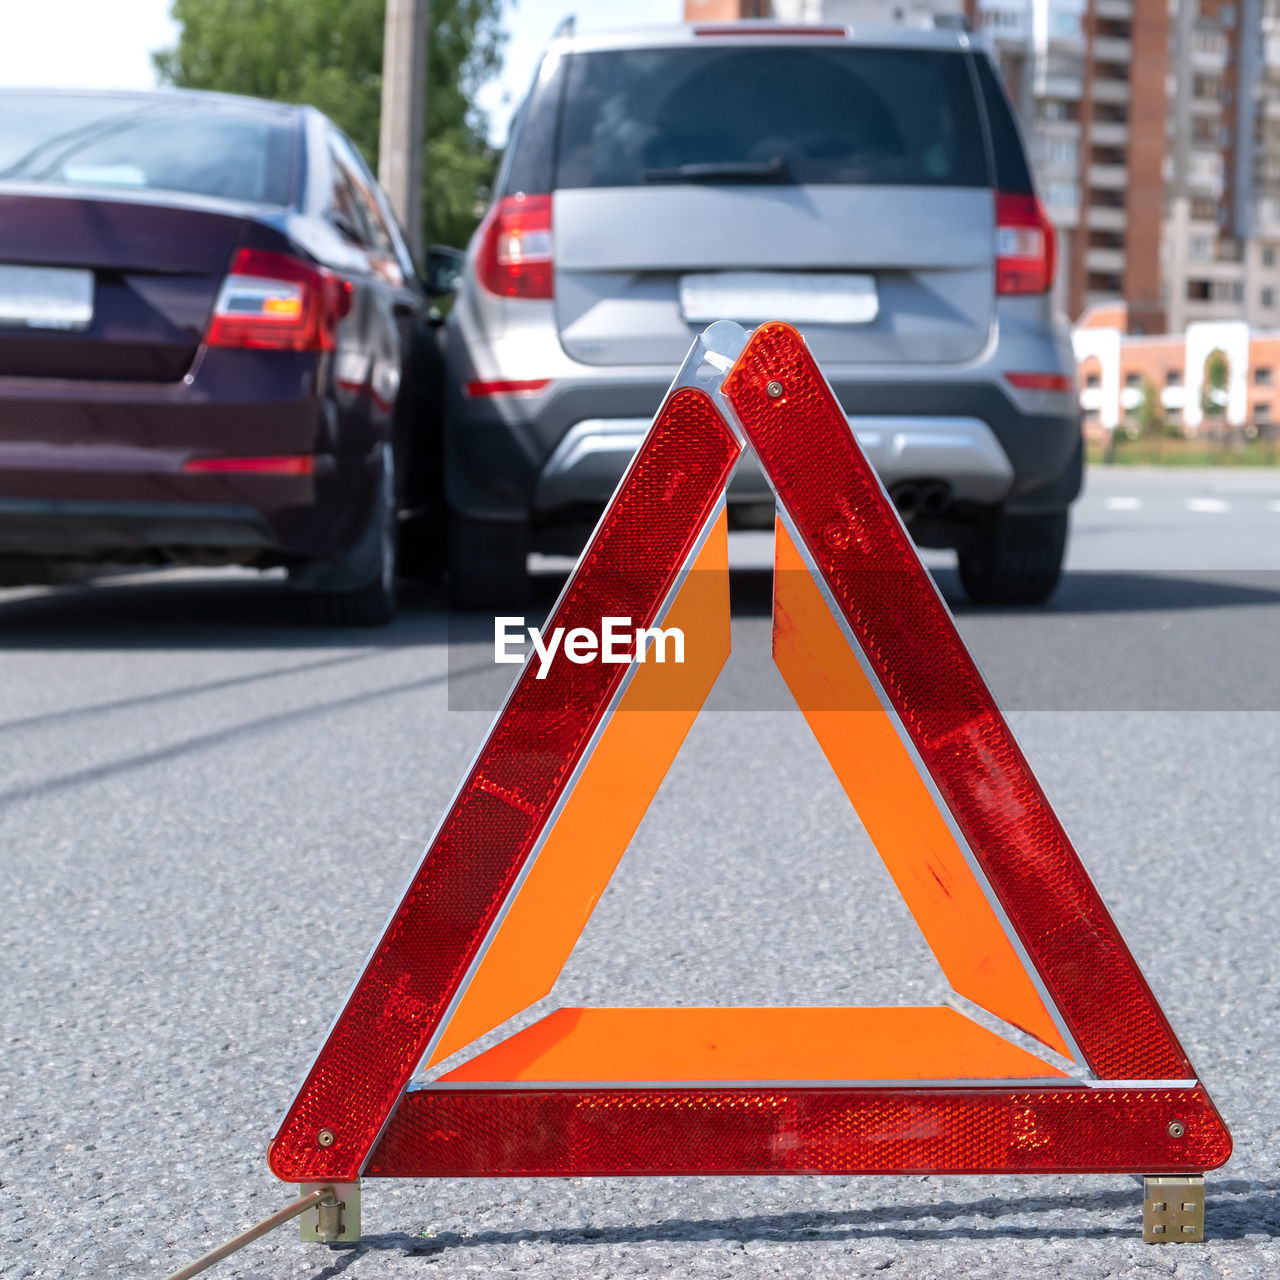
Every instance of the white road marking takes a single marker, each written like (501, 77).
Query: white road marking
(1208, 506)
(1124, 504)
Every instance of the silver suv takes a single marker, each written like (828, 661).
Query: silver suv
(868, 185)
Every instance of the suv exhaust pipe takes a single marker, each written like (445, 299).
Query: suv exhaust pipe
(921, 498)
(906, 497)
(935, 498)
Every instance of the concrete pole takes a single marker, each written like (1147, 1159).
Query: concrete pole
(404, 93)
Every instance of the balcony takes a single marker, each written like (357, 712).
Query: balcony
(1121, 10)
(1108, 177)
(1109, 133)
(1111, 49)
(1066, 87)
(1208, 51)
(1106, 218)
(1268, 217)
(1204, 172)
(1111, 91)
(1104, 260)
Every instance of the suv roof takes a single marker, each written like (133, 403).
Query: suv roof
(765, 31)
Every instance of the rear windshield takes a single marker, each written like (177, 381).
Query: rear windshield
(155, 143)
(806, 114)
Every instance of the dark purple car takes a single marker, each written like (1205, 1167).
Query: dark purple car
(214, 345)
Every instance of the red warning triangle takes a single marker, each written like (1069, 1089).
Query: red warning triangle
(871, 655)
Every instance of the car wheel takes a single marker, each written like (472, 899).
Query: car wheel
(1015, 560)
(488, 567)
(372, 603)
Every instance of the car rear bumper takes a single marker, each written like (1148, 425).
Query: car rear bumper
(67, 529)
(528, 458)
(591, 458)
(101, 470)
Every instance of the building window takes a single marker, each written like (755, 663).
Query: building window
(1262, 411)
(1060, 153)
(1173, 378)
(1262, 376)
(1228, 291)
(1133, 379)
(1091, 380)
(1200, 248)
(1268, 257)
(1268, 297)
(1062, 195)
(1227, 16)
(1197, 291)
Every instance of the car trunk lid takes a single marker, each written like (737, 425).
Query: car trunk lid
(924, 263)
(154, 271)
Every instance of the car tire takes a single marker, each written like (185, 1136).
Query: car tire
(1017, 559)
(419, 413)
(373, 602)
(422, 548)
(488, 568)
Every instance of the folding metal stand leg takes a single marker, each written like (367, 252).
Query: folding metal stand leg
(336, 1219)
(1173, 1209)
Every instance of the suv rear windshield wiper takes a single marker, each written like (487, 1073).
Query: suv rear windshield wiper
(722, 171)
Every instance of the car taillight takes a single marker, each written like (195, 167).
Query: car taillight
(515, 248)
(1025, 249)
(274, 301)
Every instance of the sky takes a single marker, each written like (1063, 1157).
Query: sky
(98, 44)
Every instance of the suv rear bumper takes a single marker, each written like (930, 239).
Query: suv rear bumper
(526, 458)
(591, 458)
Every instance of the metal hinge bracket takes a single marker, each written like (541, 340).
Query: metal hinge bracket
(1172, 1209)
(336, 1219)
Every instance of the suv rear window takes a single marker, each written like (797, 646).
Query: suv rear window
(154, 142)
(806, 114)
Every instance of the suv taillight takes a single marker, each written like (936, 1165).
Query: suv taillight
(515, 248)
(1025, 249)
(273, 301)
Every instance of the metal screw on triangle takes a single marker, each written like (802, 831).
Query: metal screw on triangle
(774, 390)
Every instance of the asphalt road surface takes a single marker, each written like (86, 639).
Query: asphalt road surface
(207, 809)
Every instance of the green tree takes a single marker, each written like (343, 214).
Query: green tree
(1213, 402)
(1148, 413)
(328, 53)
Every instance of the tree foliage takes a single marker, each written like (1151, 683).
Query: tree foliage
(1149, 415)
(1214, 399)
(328, 53)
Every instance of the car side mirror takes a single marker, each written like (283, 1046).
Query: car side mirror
(444, 267)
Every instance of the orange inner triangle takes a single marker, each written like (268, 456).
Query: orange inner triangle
(547, 913)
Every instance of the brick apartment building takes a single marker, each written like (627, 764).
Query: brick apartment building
(1154, 127)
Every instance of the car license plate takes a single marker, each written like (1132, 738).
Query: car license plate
(46, 297)
(827, 298)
